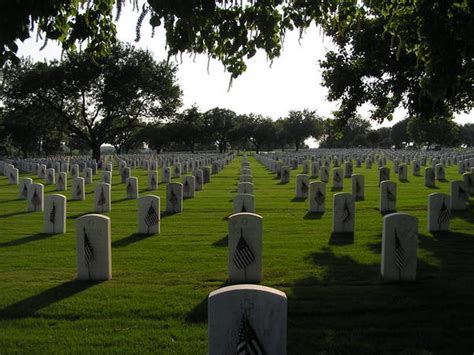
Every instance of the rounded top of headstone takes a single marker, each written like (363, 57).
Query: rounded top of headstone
(398, 215)
(241, 214)
(93, 215)
(57, 196)
(247, 287)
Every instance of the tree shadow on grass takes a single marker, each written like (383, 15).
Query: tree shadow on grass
(15, 199)
(313, 215)
(345, 238)
(467, 214)
(334, 189)
(347, 306)
(221, 242)
(132, 238)
(283, 183)
(298, 199)
(120, 200)
(433, 187)
(29, 306)
(14, 214)
(74, 216)
(27, 239)
(167, 214)
(199, 313)
(406, 181)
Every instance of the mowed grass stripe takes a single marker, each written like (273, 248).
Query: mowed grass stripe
(156, 301)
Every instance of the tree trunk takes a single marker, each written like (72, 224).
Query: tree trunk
(96, 151)
(297, 145)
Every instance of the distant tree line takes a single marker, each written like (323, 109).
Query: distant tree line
(127, 99)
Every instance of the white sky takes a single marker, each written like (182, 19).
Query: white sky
(293, 82)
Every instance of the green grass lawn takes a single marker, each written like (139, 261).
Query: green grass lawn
(157, 299)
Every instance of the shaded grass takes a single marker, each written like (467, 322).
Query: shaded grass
(157, 299)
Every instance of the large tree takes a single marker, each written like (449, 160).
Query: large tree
(98, 100)
(300, 125)
(399, 133)
(257, 129)
(189, 127)
(353, 134)
(220, 127)
(442, 130)
(416, 53)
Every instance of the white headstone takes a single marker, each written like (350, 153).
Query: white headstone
(245, 248)
(245, 188)
(314, 169)
(54, 221)
(324, 174)
(439, 172)
(317, 197)
(131, 187)
(199, 179)
(244, 203)
(125, 174)
(459, 195)
(189, 186)
(439, 212)
(13, 175)
(93, 246)
(50, 176)
(402, 172)
(74, 170)
(61, 182)
(174, 197)
(302, 186)
(246, 178)
(78, 189)
(429, 177)
(88, 175)
(469, 182)
(399, 246)
(343, 213)
(102, 197)
(285, 174)
(388, 196)
(23, 188)
(107, 177)
(206, 174)
(348, 169)
(358, 186)
(337, 178)
(247, 319)
(35, 197)
(149, 215)
(384, 174)
(152, 180)
(166, 175)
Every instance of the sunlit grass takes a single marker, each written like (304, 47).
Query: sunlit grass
(156, 301)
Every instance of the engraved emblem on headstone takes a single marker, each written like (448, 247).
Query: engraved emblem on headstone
(243, 255)
(88, 252)
(248, 342)
(151, 217)
(346, 212)
(444, 214)
(36, 200)
(399, 255)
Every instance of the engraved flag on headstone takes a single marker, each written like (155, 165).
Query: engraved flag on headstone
(399, 255)
(88, 252)
(346, 212)
(243, 255)
(444, 214)
(248, 343)
(151, 217)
